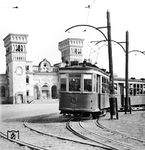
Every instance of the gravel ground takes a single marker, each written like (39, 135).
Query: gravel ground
(47, 118)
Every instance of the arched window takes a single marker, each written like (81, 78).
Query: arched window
(36, 92)
(18, 48)
(3, 91)
(54, 91)
(27, 80)
(27, 68)
(21, 48)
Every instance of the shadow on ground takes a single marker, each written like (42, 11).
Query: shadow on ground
(45, 118)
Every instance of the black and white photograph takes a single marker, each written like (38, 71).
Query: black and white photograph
(72, 75)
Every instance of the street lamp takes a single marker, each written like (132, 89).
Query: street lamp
(108, 38)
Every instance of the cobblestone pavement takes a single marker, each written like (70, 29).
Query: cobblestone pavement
(131, 124)
(12, 117)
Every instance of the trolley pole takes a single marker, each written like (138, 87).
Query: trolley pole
(113, 104)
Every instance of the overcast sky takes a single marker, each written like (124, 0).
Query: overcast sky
(45, 21)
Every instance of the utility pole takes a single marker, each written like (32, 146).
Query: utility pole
(127, 100)
(112, 99)
(110, 53)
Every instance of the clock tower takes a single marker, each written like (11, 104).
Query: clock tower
(15, 45)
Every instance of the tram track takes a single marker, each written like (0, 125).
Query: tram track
(115, 141)
(34, 129)
(129, 141)
(118, 132)
(22, 143)
(80, 128)
(109, 141)
(77, 129)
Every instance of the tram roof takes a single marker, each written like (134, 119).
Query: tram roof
(130, 80)
(82, 66)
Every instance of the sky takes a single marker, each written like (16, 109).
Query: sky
(45, 21)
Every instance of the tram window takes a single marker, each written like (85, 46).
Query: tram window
(131, 89)
(97, 83)
(96, 86)
(115, 88)
(143, 88)
(107, 86)
(74, 82)
(104, 85)
(94, 79)
(137, 90)
(88, 83)
(134, 89)
(63, 84)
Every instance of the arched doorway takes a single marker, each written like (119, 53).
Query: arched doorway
(45, 92)
(54, 91)
(19, 98)
(36, 92)
(3, 91)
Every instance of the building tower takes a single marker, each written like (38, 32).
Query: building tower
(15, 45)
(71, 49)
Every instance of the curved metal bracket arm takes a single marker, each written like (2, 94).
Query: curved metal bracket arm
(85, 25)
(143, 52)
(112, 41)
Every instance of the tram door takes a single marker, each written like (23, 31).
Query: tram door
(99, 90)
(121, 85)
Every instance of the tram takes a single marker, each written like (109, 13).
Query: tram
(136, 92)
(83, 89)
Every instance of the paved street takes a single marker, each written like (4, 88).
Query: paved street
(12, 117)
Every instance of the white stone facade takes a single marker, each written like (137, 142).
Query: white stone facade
(24, 82)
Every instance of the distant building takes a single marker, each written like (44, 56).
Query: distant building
(71, 49)
(25, 82)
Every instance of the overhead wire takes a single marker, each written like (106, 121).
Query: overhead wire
(96, 51)
(88, 14)
(96, 61)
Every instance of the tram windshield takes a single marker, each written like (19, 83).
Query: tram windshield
(87, 82)
(74, 82)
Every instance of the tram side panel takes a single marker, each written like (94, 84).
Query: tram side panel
(103, 101)
(78, 102)
(136, 92)
(137, 100)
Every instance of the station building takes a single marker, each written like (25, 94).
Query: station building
(24, 82)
